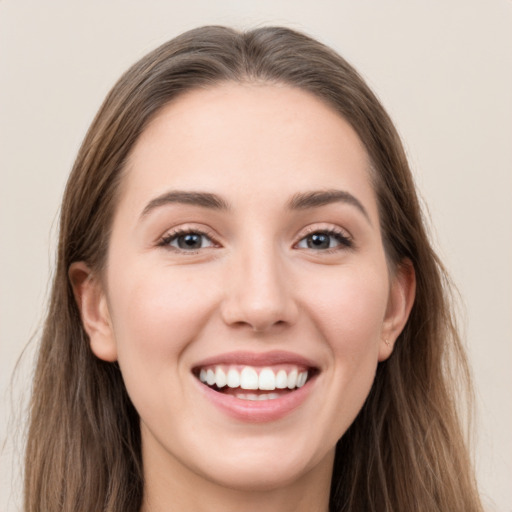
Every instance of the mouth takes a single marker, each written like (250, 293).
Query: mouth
(255, 383)
(257, 387)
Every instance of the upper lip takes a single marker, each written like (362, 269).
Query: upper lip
(246, 358)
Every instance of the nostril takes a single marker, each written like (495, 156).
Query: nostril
(258, 320)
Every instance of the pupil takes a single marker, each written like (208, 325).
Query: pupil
(190, 241)
(318, 241)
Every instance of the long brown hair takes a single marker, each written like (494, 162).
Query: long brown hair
(404, 452)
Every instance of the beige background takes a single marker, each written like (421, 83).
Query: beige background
(443, 70)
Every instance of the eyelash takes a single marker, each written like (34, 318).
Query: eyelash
(344, 241)
(174, 235)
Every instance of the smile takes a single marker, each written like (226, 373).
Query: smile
(256, 387)
(234, 380)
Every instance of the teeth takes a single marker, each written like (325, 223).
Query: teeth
(220, 378)
(254, 397)
(292, 379)
(233, 378)
(210, 377)
(267, 379)
(301, 379)
(248, 378)
(281, 379)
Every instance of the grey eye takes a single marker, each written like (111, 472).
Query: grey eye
(321, 240)
(189, 241)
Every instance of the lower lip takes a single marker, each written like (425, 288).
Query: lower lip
(257, 411)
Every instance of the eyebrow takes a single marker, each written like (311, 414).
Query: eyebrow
(203, 199)
(300, 201)
(315, 199)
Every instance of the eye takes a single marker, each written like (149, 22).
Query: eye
(322, 240)
(187, 240)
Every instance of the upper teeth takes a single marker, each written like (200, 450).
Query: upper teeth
(248, 378)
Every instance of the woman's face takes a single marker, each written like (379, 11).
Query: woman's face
(246, 252)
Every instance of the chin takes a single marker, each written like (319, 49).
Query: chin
(257, 477)
(266, 468)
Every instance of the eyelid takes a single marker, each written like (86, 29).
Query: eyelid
(324, 227)
(347, 241)
(171, 234)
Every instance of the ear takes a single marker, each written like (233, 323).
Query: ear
(92, 303)
(401, 299)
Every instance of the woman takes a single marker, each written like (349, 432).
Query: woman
(246, 313)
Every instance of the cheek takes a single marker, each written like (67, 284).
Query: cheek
(160, 311)
(349, 314)
(154, 319)
(350, 308)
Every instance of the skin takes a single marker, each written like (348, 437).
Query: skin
(254, 285)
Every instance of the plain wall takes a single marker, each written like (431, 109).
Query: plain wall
(442, 69)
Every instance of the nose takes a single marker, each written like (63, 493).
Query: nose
(259, 292)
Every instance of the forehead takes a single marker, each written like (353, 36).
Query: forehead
(247, 141)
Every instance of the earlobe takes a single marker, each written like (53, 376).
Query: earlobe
(401, 299)
(92, 303)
